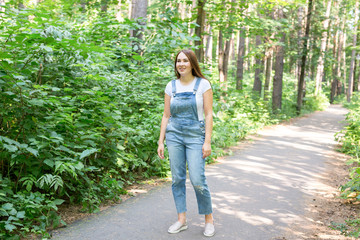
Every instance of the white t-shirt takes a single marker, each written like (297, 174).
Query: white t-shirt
(203, 87)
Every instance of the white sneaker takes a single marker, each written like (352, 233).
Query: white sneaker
(177, 227)
(209, 230)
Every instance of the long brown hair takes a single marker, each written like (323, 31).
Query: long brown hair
(193, 61)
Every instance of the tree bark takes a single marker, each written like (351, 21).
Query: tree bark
(199, 30)
(358, 81)
(268, 74)
(279, 69)
(340, 54)
(303, 60)
(320, 64)
(355, 86)
(104, 6)
(191, 30)
(223, 61)
(240, 60)
(83, 4)
(209, 47)
(138, 14)
(353, 52)
(259, 68)
(335, 80)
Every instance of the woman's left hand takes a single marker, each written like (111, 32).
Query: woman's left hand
(206, 150)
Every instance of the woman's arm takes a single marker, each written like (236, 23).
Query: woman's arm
(208, 110)
(164, 122)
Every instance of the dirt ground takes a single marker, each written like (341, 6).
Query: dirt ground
(326, 206)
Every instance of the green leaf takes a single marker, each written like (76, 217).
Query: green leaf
(49, 162)
(79, 166)
(88, 152)
(3, 213)
(7, 206)
(33, 151)
(11, 148)
(20, 214)
(137, 57)
(37, 102)
(58, 201)
(10, 227)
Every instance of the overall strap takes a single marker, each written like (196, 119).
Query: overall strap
(173, 87)
(198, 80)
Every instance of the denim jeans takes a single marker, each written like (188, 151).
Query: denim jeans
(184, 141)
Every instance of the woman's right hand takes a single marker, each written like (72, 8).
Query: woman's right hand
(160, 150)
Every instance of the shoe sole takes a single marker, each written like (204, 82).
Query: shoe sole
(179, 230)
(209, 235)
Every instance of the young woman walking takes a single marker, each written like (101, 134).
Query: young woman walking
(187, 126)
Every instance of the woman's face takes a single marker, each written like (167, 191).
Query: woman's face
(183, 65)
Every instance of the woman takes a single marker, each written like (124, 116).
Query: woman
(188, 138)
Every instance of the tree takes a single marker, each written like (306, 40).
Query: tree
(351, 71)
(268, 70)
(320, 64)
(138, 14)
(223, 64)
(259, 67)
(279, 69)
(240, 59)
(303, 59)
(199, 30)
(336, 39)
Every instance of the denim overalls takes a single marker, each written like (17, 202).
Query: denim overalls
(185, 136)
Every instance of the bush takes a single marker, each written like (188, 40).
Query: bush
(349, 138)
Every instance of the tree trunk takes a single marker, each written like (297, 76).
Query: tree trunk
(199, 30)
(138, 14)
(343, 67)
(320, 64)
(191, 30)
(240, 60)
(209, 47)
(259, 63)
(358, 81)
(83, 4)
(335, 79)
(247, 50)
(303, 60)
(279, 70)
(300, 35)
(104, 6)
(356, 78)
(355, 86)
(223, 62)
(351, 71)
(339, 56)
(268, 74)
(221, 56)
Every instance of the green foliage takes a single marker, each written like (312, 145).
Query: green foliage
(26, 212)
(78, 114)
(349, 138)
(350, 228)
(81, 106)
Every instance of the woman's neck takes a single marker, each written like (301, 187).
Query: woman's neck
(187, 79)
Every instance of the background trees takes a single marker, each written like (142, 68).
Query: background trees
(82, 84)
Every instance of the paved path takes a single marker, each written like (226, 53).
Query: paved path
(258, 192)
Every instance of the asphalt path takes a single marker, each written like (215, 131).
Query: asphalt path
(258, 192)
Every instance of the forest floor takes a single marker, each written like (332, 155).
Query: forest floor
(309, 212)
